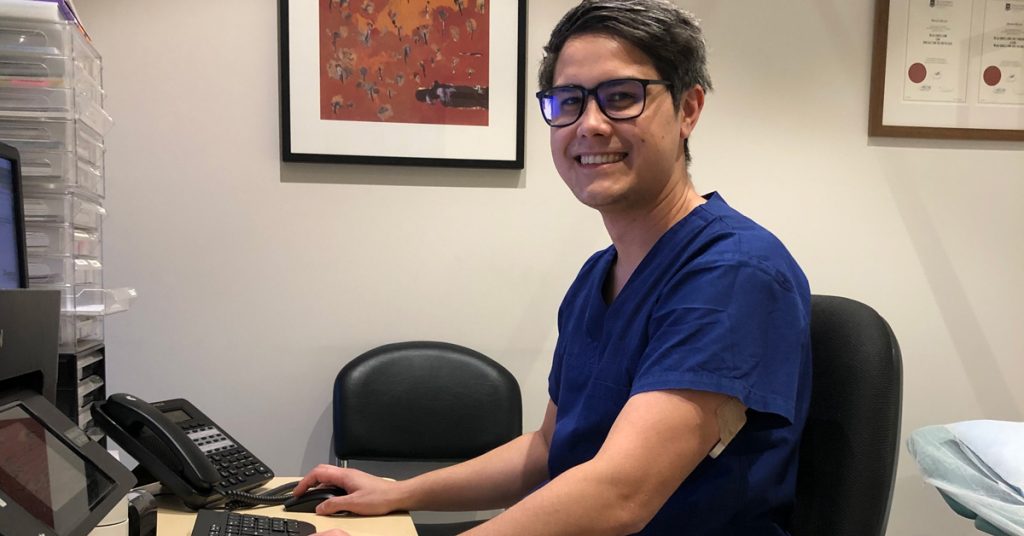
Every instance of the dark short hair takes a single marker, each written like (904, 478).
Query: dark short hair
(665, 33)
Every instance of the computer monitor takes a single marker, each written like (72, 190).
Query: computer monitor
(54, 480)
(13, 262)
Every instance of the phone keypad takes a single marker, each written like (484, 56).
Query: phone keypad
(236, 465)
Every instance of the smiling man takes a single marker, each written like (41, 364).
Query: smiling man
(681, 376)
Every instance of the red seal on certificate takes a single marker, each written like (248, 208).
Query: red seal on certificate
(992, 75)
(917, 73)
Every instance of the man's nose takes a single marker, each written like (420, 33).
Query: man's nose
(593, 121)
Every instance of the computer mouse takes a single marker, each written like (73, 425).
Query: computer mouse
(307, 501)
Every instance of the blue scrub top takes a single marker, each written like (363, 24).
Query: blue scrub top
(718, 305)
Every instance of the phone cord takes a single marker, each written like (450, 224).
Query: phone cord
(277, 495)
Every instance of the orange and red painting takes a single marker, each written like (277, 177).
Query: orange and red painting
(405, 61)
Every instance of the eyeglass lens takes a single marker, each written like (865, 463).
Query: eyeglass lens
(618, 99)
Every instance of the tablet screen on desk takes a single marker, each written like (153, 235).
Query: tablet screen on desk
(54, 480)
(43, 476)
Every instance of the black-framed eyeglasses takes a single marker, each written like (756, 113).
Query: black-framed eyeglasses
(619, 99)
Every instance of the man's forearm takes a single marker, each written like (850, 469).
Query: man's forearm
(496, 479)
(587, 499)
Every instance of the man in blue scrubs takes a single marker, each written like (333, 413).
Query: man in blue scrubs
(681, 375)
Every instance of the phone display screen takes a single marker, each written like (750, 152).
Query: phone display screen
(177, 416)
(44, 476)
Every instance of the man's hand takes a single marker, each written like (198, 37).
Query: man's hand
(496, 479)
(368, 495)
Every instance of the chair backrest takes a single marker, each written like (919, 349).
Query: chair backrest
(850, 444)
(424, 400)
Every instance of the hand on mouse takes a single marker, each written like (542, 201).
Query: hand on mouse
(368, 495)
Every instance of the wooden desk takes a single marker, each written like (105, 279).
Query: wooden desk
(173, 519)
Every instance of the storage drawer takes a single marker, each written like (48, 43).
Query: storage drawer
(73, 368)
(38, 100)
(87, 389)
(24, 38)
(64, 270)
(84, 393)
(50, 271)
(61, 240)
(53, 135)
(70, 402)
(56, 172)
(79, 332)
(48, 239)
(32, 68)
(63, 209)
(40, 38)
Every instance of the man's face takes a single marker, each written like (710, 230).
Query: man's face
(615, 165)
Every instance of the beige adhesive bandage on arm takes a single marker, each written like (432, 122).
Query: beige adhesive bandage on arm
(732, 415)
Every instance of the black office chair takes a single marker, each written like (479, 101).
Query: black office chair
(850, 444)
(423, 401)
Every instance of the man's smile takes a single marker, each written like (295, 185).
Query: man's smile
(600, 158)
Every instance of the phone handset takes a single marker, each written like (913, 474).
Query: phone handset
(159, 444)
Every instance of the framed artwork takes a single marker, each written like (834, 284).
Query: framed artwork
(403, 82)
(950, 69)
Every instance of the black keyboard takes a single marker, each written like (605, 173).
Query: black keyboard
(224, 523)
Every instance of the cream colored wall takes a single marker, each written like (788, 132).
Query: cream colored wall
(258, 279)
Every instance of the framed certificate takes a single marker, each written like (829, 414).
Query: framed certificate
(948, 69)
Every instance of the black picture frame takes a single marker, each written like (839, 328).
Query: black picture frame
(307, 137)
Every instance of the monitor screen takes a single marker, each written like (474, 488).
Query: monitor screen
(53, 479)
(9, 275)
(10, 228)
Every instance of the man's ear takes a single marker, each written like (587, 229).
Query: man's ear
(690, 106)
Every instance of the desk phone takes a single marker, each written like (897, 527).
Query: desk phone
(182, 447)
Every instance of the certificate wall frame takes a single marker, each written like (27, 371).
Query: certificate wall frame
(948, 69)
(403, 82)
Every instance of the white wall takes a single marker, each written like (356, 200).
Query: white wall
(258, 279)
